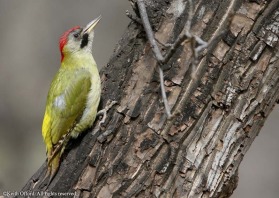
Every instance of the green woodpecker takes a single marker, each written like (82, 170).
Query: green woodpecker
(74, 94)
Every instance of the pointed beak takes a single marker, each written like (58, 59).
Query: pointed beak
(90, 26)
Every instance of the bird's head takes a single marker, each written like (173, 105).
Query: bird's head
(78, 39)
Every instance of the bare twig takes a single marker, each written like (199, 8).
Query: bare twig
(163, 91)
(202, 45)
(133, 18)
(190, 18)
(186, 36)
(165, 45)
(149, 31)
(156, 51)
(179, 41)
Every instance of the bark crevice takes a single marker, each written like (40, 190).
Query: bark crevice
(220, 112)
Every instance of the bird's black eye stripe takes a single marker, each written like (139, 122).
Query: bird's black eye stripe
(84, 41)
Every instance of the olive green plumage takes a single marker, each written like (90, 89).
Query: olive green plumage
(74, 94)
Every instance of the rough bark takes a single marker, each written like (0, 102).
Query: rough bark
(222, 109)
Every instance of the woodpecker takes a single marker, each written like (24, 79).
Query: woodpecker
(74, 94)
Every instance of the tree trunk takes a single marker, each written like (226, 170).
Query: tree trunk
(222, 107)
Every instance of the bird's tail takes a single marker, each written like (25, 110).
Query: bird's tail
(53, 158)
(53, 167)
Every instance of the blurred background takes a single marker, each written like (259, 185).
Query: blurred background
(29, 58)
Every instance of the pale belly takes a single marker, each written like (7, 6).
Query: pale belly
(89, 115)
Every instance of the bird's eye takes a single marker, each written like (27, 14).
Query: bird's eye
(76, 35)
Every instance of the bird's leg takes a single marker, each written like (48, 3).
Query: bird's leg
(104, 111)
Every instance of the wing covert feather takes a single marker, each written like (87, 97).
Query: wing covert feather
(66, 102)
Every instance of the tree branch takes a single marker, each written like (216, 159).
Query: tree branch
(219, 111)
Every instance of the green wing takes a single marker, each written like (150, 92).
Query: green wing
(66, 102)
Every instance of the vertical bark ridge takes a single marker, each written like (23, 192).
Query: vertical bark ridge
(220, 110)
